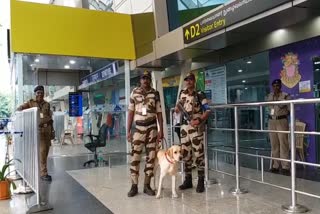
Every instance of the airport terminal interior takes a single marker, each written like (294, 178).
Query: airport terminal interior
(254, 66)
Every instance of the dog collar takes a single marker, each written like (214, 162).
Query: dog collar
(165, 154)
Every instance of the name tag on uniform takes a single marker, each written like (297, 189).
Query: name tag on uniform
(272, 112)
(41, 115)
(144, 111)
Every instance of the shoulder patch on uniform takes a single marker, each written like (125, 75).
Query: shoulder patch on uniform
(201, 95)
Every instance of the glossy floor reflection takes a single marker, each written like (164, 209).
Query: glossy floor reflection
(65, 194)
(110, 186)
(114, 145)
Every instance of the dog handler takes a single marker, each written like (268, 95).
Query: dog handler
(196, 105)
(145, 110)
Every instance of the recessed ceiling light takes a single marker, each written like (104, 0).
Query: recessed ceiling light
(67, 66)
(317, 62)
(72, 62)
(249, 62)
(317, 69)
(37, 60)
(240, 70)
(31, 65)
(245, 88)
(244, 81)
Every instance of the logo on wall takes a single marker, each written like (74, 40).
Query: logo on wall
(290, 76)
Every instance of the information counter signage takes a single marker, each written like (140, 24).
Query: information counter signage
(104, 73)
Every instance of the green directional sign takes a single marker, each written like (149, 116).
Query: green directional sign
(225, 16)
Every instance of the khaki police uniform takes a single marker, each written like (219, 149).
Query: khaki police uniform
(45, 130)
(145, 105)
(191, 137)
(278, 120)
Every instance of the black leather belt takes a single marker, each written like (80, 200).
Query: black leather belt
(146, 123)
(278, 117)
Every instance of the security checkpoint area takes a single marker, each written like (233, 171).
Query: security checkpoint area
(237, 174)
(162, 106)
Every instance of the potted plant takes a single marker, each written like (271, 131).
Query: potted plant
(5, 182)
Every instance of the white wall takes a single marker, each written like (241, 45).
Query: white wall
(4, 65)
(68, 3)
(132, 6)
(141, 6)
(38, 1)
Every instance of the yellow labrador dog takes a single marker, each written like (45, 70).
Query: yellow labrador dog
(168, 162)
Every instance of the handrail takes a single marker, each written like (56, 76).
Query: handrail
(299, 101)
(293, 207)
(242, 147)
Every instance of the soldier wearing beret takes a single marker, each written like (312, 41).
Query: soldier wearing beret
(45, 127)
(278, 120)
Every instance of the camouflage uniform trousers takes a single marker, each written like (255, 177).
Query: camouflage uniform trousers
(45, 143)
(144, 136)
(192, 142)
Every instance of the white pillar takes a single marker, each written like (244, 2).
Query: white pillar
(161, 21)
(184, 68)
(157, 84)
(19, 75)
(127, 94)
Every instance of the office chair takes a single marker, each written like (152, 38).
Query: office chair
(95, 142)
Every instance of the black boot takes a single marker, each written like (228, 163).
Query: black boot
(187, 184)
(200, 186)
(147, 189)
(133, 191)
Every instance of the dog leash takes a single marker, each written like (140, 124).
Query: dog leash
(163, 144)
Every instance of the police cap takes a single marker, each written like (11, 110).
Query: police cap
(190, 75)
(146, 74)
(276, 82)
(38, 88)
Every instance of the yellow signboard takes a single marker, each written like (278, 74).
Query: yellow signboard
(171, 81)
(49, 29)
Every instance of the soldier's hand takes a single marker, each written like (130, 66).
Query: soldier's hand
(160, 136)
(195, 122)
(176, 109)
(129, 137)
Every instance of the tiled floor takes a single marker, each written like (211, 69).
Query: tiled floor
(112, 192)
(114, 145)
(104, 190)
(65, 194)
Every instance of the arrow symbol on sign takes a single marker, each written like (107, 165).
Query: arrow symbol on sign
(186, 34)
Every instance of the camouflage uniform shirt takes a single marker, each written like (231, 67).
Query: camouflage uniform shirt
(194, 103)
(149, 100)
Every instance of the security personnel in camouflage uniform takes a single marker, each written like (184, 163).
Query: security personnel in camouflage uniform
(196, 105)
(45, 128)
(145, 110)
(278, 120)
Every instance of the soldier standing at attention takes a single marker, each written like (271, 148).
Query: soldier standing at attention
(195, 105)
(45, 128)
(278, 120)
(145, 111)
